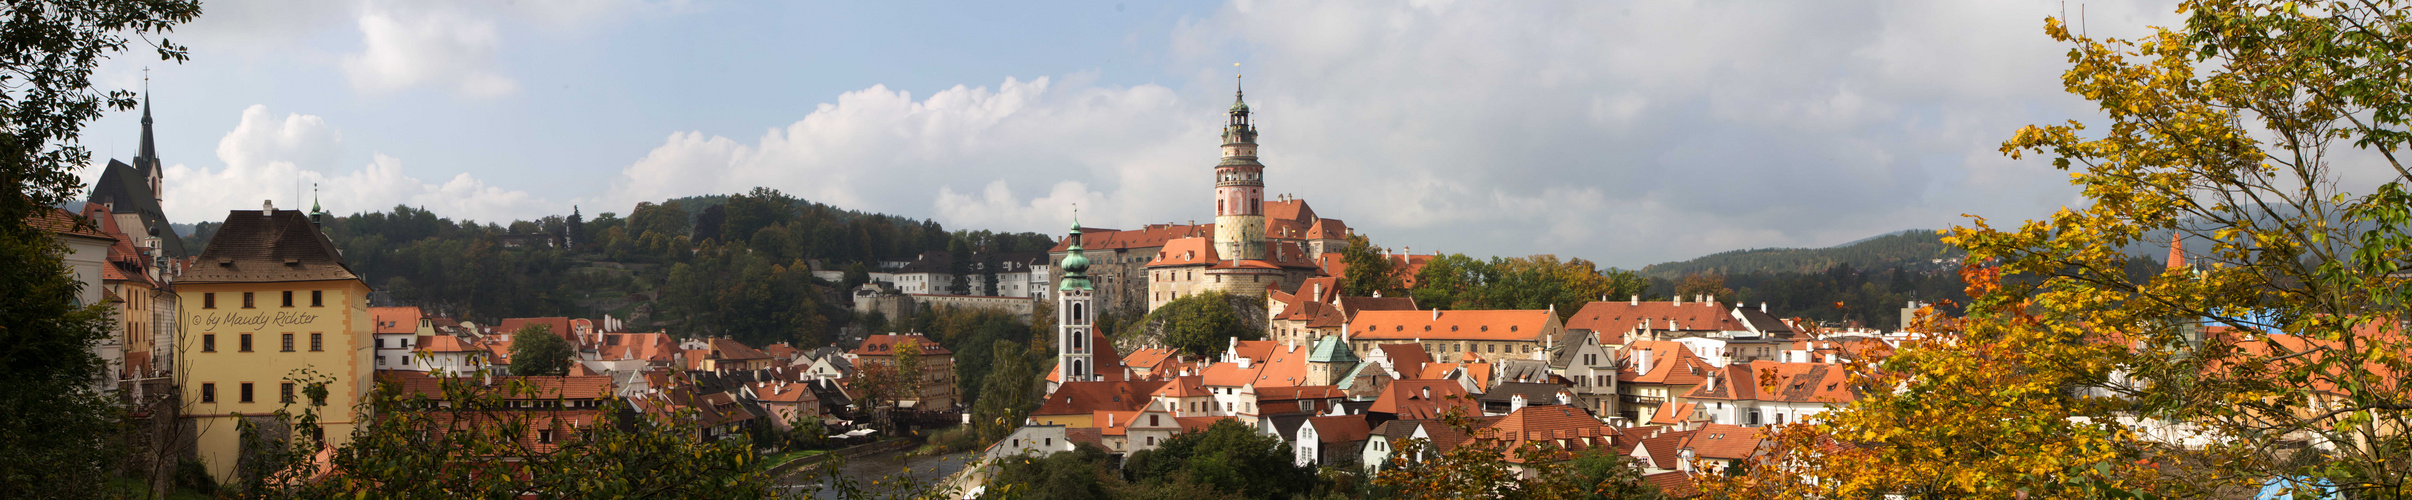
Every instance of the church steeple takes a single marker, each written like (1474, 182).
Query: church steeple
(146, 157)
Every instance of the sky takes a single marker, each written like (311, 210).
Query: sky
(1627, 133)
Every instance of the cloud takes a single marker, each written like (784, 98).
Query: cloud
(267, 157)
(402, 49)
(1119, 152)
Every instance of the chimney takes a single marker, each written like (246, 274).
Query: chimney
(1712, 299)
(1427, 393)
(1679, 300)
(1762, 307)
(1637, 299)
(1641, 361)
(1319, 291)
(267, 207)
(1515, 402)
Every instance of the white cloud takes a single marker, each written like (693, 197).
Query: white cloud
(402, 49)
(1119, 152)
(267, 157)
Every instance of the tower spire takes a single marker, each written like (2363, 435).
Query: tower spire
(146, 155)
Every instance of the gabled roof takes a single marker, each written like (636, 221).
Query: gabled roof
(1230, 374)
(559, 325)
(1147, 358)
(1423, 399)
(1724, 441)
(391, 320)
(732, 350)
(256, 247)
(1184, 387)
(885, 345)
(1264, 394)
(1673, 413)
(1614, 319)
(1340, 429)
(1083, 398)
(1665, 450)
(1095, 239)
(1510, 325)
(1670, 364)
(1407, 359)
(443, 344)
(1569, 428)
(1185, 252)
(126, 189)
(1534, 394)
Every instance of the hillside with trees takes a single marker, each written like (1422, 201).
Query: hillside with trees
(1916, 249)
(731, 265)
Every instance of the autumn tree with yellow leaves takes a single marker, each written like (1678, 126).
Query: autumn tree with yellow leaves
(2268, 137)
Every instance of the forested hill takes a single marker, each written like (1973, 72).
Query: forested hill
(734, 265)
(1916, 250)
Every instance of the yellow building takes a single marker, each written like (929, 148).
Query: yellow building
(269, 297)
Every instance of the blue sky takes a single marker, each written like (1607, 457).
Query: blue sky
(1623, 132)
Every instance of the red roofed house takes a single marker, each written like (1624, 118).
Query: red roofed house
(398, 329)
(1741, 334)
(937, 366)
(1129, 431)
(1421, 399)
(1331, 440)
(1075, 404)
(786, 401)
(1489, 335)
(1654, 373)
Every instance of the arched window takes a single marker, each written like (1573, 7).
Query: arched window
(1079, 314)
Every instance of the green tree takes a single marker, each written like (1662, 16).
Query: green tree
(1006, 396)
(1369, 272)
(1079, 474)
(1200, 325)
(47, 53)
(483, 442)
(1228, 456)
(2281, 337)
(535, 350)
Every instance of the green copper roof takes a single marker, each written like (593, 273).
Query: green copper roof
(1329, 349)
(1076, 262)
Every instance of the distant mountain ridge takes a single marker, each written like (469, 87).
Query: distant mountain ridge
(1916, 249)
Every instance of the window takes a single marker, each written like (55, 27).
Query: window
(1152, 422)
(317, 342)
(209, 342)
(380, 361)
(243, 394)
(288, 298)
(285, 393)
(544, 436)
(318, 298)
(209, 392)
(380, 343)
(244, 343)
(209, 300)
(286, 342)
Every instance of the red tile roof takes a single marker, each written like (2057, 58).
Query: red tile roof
(1341, 429)
(1521, 325)
(1083, 398)
(1185, 252)
(885, 345)
(1724, 442)
(560, 327)
(395, 319)
(1412, 399)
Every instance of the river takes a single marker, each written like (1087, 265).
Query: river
(882, 469)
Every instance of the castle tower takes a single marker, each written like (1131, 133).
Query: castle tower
(1239, 189)
(1075, 311)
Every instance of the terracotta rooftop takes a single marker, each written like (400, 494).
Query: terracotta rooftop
(395, 319)
(1515, 325)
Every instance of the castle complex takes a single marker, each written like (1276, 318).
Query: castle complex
(1253, 244)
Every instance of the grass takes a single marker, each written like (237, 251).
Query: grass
(783, 458)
